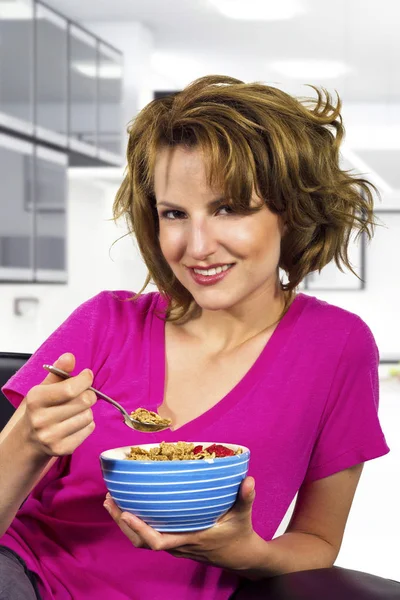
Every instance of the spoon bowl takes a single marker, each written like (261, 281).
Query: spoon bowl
(145, 427)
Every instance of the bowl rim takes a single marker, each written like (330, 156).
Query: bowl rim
(104, 457)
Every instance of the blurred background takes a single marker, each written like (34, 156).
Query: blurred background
(73, 73)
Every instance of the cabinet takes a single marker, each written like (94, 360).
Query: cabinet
(60, 105)
(33, 212)
(110, 66)
(16, 210)
(59, 84)
(50, 209)
(16, 65)
(51, 80)
(83, 91)
(95, 106)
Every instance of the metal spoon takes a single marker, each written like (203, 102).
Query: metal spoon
(128, 420)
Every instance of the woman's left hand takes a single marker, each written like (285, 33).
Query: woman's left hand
(227, 544)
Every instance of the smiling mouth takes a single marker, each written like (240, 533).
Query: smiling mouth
(212, 270)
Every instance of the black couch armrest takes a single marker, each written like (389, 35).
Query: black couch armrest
(10, 362)
(334, 583)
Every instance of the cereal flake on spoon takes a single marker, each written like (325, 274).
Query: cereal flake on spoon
(148, 417)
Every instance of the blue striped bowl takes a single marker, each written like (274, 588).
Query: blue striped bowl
(179, 495)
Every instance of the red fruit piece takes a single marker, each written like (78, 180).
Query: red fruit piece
(197, 449)
(220, 450)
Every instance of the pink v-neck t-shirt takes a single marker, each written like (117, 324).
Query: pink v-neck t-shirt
(307, 409)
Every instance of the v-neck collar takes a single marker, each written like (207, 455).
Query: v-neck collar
(261, 365)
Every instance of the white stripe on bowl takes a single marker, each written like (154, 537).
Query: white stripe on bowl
(208, 515)
(161, 472)
(220, 487)
(169, 510)
(184, 519)
(182, 529)
(177, 501)
(173, 482)
(209, 522)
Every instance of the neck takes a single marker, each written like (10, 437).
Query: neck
(227, 329)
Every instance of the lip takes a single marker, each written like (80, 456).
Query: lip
(208, 266)
(206, 280)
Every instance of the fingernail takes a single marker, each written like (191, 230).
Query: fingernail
(107, 507)
(90, 372)
(108, 495)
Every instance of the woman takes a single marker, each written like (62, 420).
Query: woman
(228, 185)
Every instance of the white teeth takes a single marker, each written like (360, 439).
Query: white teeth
(213, 271)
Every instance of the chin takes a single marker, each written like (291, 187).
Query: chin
(208, 302)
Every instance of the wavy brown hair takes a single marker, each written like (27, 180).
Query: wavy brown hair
(252, 136)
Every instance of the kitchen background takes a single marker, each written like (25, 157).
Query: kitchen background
(73, 74)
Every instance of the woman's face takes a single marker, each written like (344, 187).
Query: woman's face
(223, 259)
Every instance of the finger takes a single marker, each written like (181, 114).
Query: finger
(135, 539)
(57, 413)
(154, 539)
(61, 391)
(60, 431)
(184, 554)
(116, 513)
(66, 445)
(149, 537)
(246, 496)
(66, 362)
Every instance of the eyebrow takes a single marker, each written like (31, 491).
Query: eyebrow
(211, 204)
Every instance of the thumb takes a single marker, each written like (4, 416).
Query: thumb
(246, 495)
(66, 362)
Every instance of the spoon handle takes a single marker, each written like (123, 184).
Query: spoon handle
(65, 375)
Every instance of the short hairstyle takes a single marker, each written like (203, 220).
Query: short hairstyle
(253, 137)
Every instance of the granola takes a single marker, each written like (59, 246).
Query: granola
(181, 451)
(148, 416)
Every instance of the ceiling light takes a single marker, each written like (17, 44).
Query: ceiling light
(310, 69)
(15, 10)
(105, 71)
(258, 10)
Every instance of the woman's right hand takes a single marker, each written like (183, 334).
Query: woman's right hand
(58, 411)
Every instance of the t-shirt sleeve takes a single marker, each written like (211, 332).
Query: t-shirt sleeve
(82, 333)
(350, 432)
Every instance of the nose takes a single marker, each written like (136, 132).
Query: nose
(201, 241)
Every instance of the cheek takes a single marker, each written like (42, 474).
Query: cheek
(171, 241)
(261, 242)
(237, 238)
(270, 248)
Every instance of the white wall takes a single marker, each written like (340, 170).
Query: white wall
(379, 303)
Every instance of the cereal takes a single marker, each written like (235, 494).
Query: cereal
(181, 451)
(148, 416)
